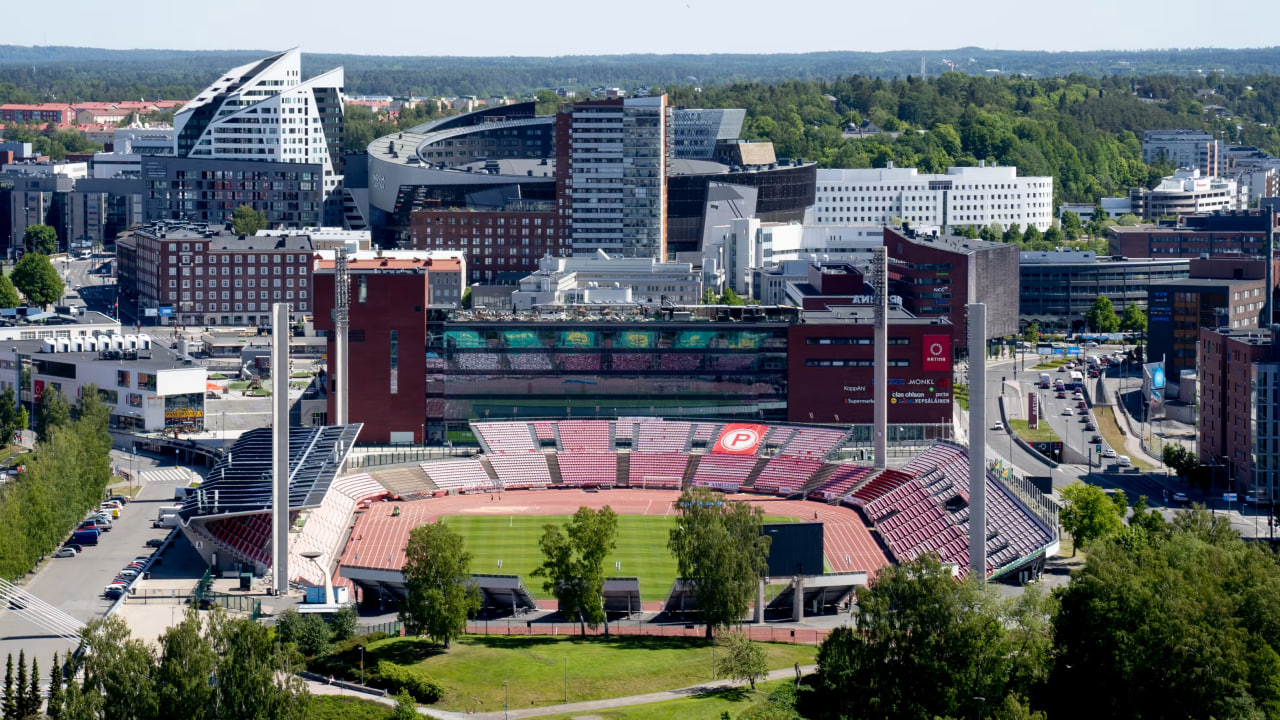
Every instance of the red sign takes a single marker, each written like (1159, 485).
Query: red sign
(936, 352)
(37, 390)
(1033, 411)
(739, 439)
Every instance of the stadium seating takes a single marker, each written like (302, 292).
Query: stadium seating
(723, 472)
(544, 430)
(506, 437)
(656, 436)
(785, 475)
(841, 481)
(247, 535)
(463, 475)
(588, 469)
(813, 443)
(657, 470)
(879, 486)
(585, 436)
(518, 471)
(705, 432)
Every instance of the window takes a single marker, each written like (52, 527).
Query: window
(395, 362)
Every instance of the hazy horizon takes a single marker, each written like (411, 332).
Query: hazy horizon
(663, 27)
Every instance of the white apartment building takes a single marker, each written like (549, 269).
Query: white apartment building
(265, 111)
(975, 196)
(735, 252)
(1191, 149)
(1187, 192)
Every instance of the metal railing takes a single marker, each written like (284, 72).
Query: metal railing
(398, 455)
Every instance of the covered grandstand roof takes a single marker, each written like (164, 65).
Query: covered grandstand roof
(241, 481)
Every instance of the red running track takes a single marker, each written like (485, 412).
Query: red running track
(378, 539)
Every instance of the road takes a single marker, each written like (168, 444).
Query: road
(75, 584)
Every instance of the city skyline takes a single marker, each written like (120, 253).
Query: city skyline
(574, 27)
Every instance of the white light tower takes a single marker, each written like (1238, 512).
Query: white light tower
(342, 327)
(880, 390)
(977, 314)
(280, 446)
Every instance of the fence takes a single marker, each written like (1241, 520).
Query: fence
(765, 633)
(391, 628)
(393, 455)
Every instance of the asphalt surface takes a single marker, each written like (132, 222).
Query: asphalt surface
(75, 584)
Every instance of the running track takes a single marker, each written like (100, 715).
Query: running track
(378, 539)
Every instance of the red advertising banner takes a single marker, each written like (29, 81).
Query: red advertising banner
(739, 439)
(1033, 410)
(936, 353)
(37, 390)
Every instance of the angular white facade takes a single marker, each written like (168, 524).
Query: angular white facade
(264, 111)
(963, 196)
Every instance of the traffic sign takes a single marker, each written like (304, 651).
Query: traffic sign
(1097, 448)
(1229, 497)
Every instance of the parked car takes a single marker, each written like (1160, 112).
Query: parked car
(155, 542)
(128, 573)
(122, 498)
(113, 592)
(65, 552)
(74, 546)
(1180, 497)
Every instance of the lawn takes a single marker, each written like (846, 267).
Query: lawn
(1110, 431)
(1044, 433)
(462, 436)
(705, 706)
(1051, 364)
(513, 540)
(473, 670)
(961, 393)
(341, 707)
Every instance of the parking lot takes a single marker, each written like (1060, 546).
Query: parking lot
(75, 584)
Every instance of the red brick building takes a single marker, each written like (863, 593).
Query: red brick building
(830, 370)
(491, 241)
(1238, 409)
(387, 359)
(43, 113)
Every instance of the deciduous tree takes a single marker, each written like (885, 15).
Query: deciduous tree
(8, 293)
(1134, 320)
(42, 239)
(1088, 513)
(721, 552)
(187, 663)
(740, 658)
(437, 571)
(247, 221)
(36, 277)
(573, 562)
(1101, 316)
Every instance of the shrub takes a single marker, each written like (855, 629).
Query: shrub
(397, 678)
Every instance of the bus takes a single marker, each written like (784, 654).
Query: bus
(1077, 380)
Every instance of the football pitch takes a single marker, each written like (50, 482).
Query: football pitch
(508, 545)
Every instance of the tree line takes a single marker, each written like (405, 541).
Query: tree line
(66, 475)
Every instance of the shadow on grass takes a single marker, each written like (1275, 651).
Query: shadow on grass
(408, 651)
(627, 642)
(734, 694)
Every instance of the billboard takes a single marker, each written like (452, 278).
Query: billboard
(794, 548)
(1153, 388)
(739, 439)
(936, 352)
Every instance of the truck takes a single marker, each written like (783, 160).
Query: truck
(85, 537)
(181, 492)
(1044, 380)
(167, 511)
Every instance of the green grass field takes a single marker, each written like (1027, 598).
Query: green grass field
(513, 540)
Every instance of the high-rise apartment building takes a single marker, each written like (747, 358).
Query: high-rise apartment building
(1191, 149)
(265, 111)
(611, 168)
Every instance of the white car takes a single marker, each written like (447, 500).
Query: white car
(1090, 344)
(1108, 453)
(1180, 497)
(998, 426)
(1068, 411)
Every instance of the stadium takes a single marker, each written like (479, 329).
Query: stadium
(351, 528)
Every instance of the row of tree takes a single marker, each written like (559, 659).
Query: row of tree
(718, 547)
(1166, 619)
(66, 475)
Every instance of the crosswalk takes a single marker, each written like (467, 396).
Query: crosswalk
(169, 474)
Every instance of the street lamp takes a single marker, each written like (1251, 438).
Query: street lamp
(362, 665)
(505, 701)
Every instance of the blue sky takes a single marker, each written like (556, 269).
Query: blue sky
(588, 27)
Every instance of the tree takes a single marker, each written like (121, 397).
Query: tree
(1181, 626)
(1101, 316)
(1134, 320)
(310, 633)
(1031, 236)
(1053, 237)
(740, 658)
(36, 277)
(1128, 220)
(8, 293)
(10, 702)
(53, 708)
(924, 645)
(1011, 234)
(405, 708)
(437, 572)
(708, 297)
(1071, 226)
(247, 221)
(34, 698)
(573, 563)
(344, 623)
(1031, 333)
(41, 239)
(1179, 458)
(119, 672)
(51, 412)
(254, 676)
(721, 551)
(186, 663)
(1088, 513)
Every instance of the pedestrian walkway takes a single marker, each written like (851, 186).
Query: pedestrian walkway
(320, 688)
(169, 474)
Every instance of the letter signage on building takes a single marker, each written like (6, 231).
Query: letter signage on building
(1033, 411)
(739, 439)
(936, 352)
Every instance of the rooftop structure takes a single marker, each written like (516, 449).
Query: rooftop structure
(602, 280)
(1186, 192)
